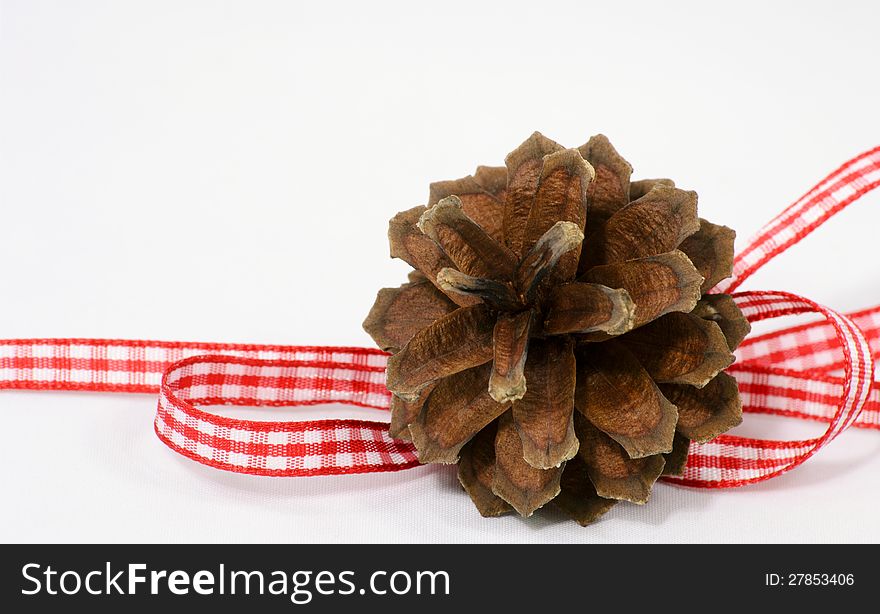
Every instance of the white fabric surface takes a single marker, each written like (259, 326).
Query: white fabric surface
(224, 172)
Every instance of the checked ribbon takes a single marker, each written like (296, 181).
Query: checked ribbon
(822, 371)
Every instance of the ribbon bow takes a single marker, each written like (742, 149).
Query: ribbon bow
(790, 372)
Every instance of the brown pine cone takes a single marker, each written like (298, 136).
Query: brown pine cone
(551, 285)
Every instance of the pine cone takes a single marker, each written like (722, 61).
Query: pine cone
(555, 340)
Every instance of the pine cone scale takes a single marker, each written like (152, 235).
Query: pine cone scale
(471, 249)
(457, 409)
(680, 348)
(657, 284)
(524, 165)
(482, 197)
(613, 473)
(455, 342)
(543, 257)
(399, 313)
(510, 339)
(704, 413)
(578, 497)
(655, 224)
(721, 309)
(543, 416)
(476, 473)
(560, 196)
(610, 190)
(419, 251)
(618, 396)
(677, 459)
(524, 487)
(589, 308)
(711, 251)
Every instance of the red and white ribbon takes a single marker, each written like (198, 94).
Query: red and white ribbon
(820, 371)
(189, 375)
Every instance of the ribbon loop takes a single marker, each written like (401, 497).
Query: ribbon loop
(275, 448)
(728, 460)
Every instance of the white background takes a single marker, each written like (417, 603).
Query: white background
(224, 171)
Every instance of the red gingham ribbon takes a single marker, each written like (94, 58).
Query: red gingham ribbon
(820, 371)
